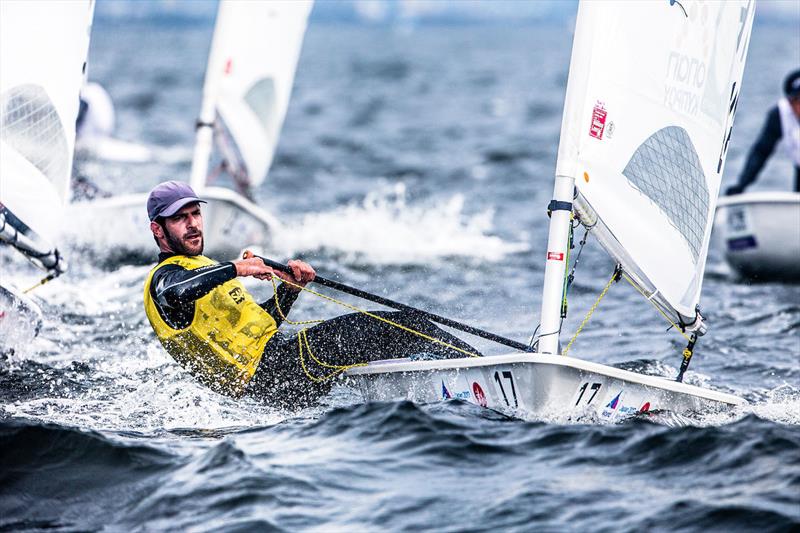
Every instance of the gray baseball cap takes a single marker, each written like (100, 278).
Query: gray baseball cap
(167, 198)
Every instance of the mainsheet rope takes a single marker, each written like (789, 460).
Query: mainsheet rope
(302, 336)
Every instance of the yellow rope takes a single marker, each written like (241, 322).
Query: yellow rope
(649, 299)
(41, 282)
(280, 311)
(302, 336)
(302, 339)
(589, 314)
(602, 294)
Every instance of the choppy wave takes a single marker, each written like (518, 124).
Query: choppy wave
(100, 429)
(400, 466)
(385, 228)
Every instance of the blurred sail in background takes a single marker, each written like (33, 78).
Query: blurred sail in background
(43, 47)
(248, 83)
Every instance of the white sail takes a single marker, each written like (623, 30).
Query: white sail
(43, 47)
(249, 79)
(650, 101)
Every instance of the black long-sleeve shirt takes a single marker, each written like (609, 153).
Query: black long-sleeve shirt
(175, 289)
(771, 133)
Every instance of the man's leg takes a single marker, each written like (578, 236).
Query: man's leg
(358, 338)
(292, 379)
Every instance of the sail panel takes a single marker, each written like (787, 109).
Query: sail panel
(650, 102)
(43, 48)
(251, 69)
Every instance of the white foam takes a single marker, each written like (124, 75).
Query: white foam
(385, 229)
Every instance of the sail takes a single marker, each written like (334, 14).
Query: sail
(250, 74)
(649, 108)
(43, 47)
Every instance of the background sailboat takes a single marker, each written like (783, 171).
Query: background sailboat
(248, 83)
(759, 233)
(650, 102)
(43, 47)
(95, 130)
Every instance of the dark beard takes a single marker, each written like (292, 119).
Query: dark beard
(177, 245)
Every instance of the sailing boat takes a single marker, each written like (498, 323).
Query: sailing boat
(43, 49)
(649, 108)
(249, 77)
(760, 234)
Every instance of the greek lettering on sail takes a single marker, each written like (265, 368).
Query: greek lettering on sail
(685, 79)
(681, 100)
(686, 70)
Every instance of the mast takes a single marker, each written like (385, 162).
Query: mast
(204, 135)
(556, 264)
(204, 138)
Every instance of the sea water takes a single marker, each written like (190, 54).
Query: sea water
(416, 163)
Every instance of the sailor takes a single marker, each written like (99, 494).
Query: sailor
(209, 322)
(95, 115)
(783, 123)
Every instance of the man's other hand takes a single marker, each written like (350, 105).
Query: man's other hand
(250, 265)
(302, 273)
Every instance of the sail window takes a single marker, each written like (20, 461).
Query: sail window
(666, 169)
(30, 124)
(262, 101)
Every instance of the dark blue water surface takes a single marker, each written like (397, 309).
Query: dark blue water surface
(416, 163)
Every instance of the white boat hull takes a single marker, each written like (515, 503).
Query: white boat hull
(760, 233)
(20, 320)
(119, 225)
(535, 386)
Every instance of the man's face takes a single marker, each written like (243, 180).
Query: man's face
(183, 231)
(795, 102)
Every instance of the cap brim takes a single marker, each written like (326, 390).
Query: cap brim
(176, 206)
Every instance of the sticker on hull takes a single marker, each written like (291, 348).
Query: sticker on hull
(480, 396)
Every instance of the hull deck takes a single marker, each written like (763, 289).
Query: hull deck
(534, 385)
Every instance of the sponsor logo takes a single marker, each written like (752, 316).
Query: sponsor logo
(228, 66)
(237, 295)
(742, 243)
(634, 411)
(480, 397)
(737, 219)
(555, 256)
(599, 115)
(445, 393)
(615, 402)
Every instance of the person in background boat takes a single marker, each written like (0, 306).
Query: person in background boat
(783, 123)
(209, 323)
(96, 116)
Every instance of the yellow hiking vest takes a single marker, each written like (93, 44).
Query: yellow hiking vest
(225, 341)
